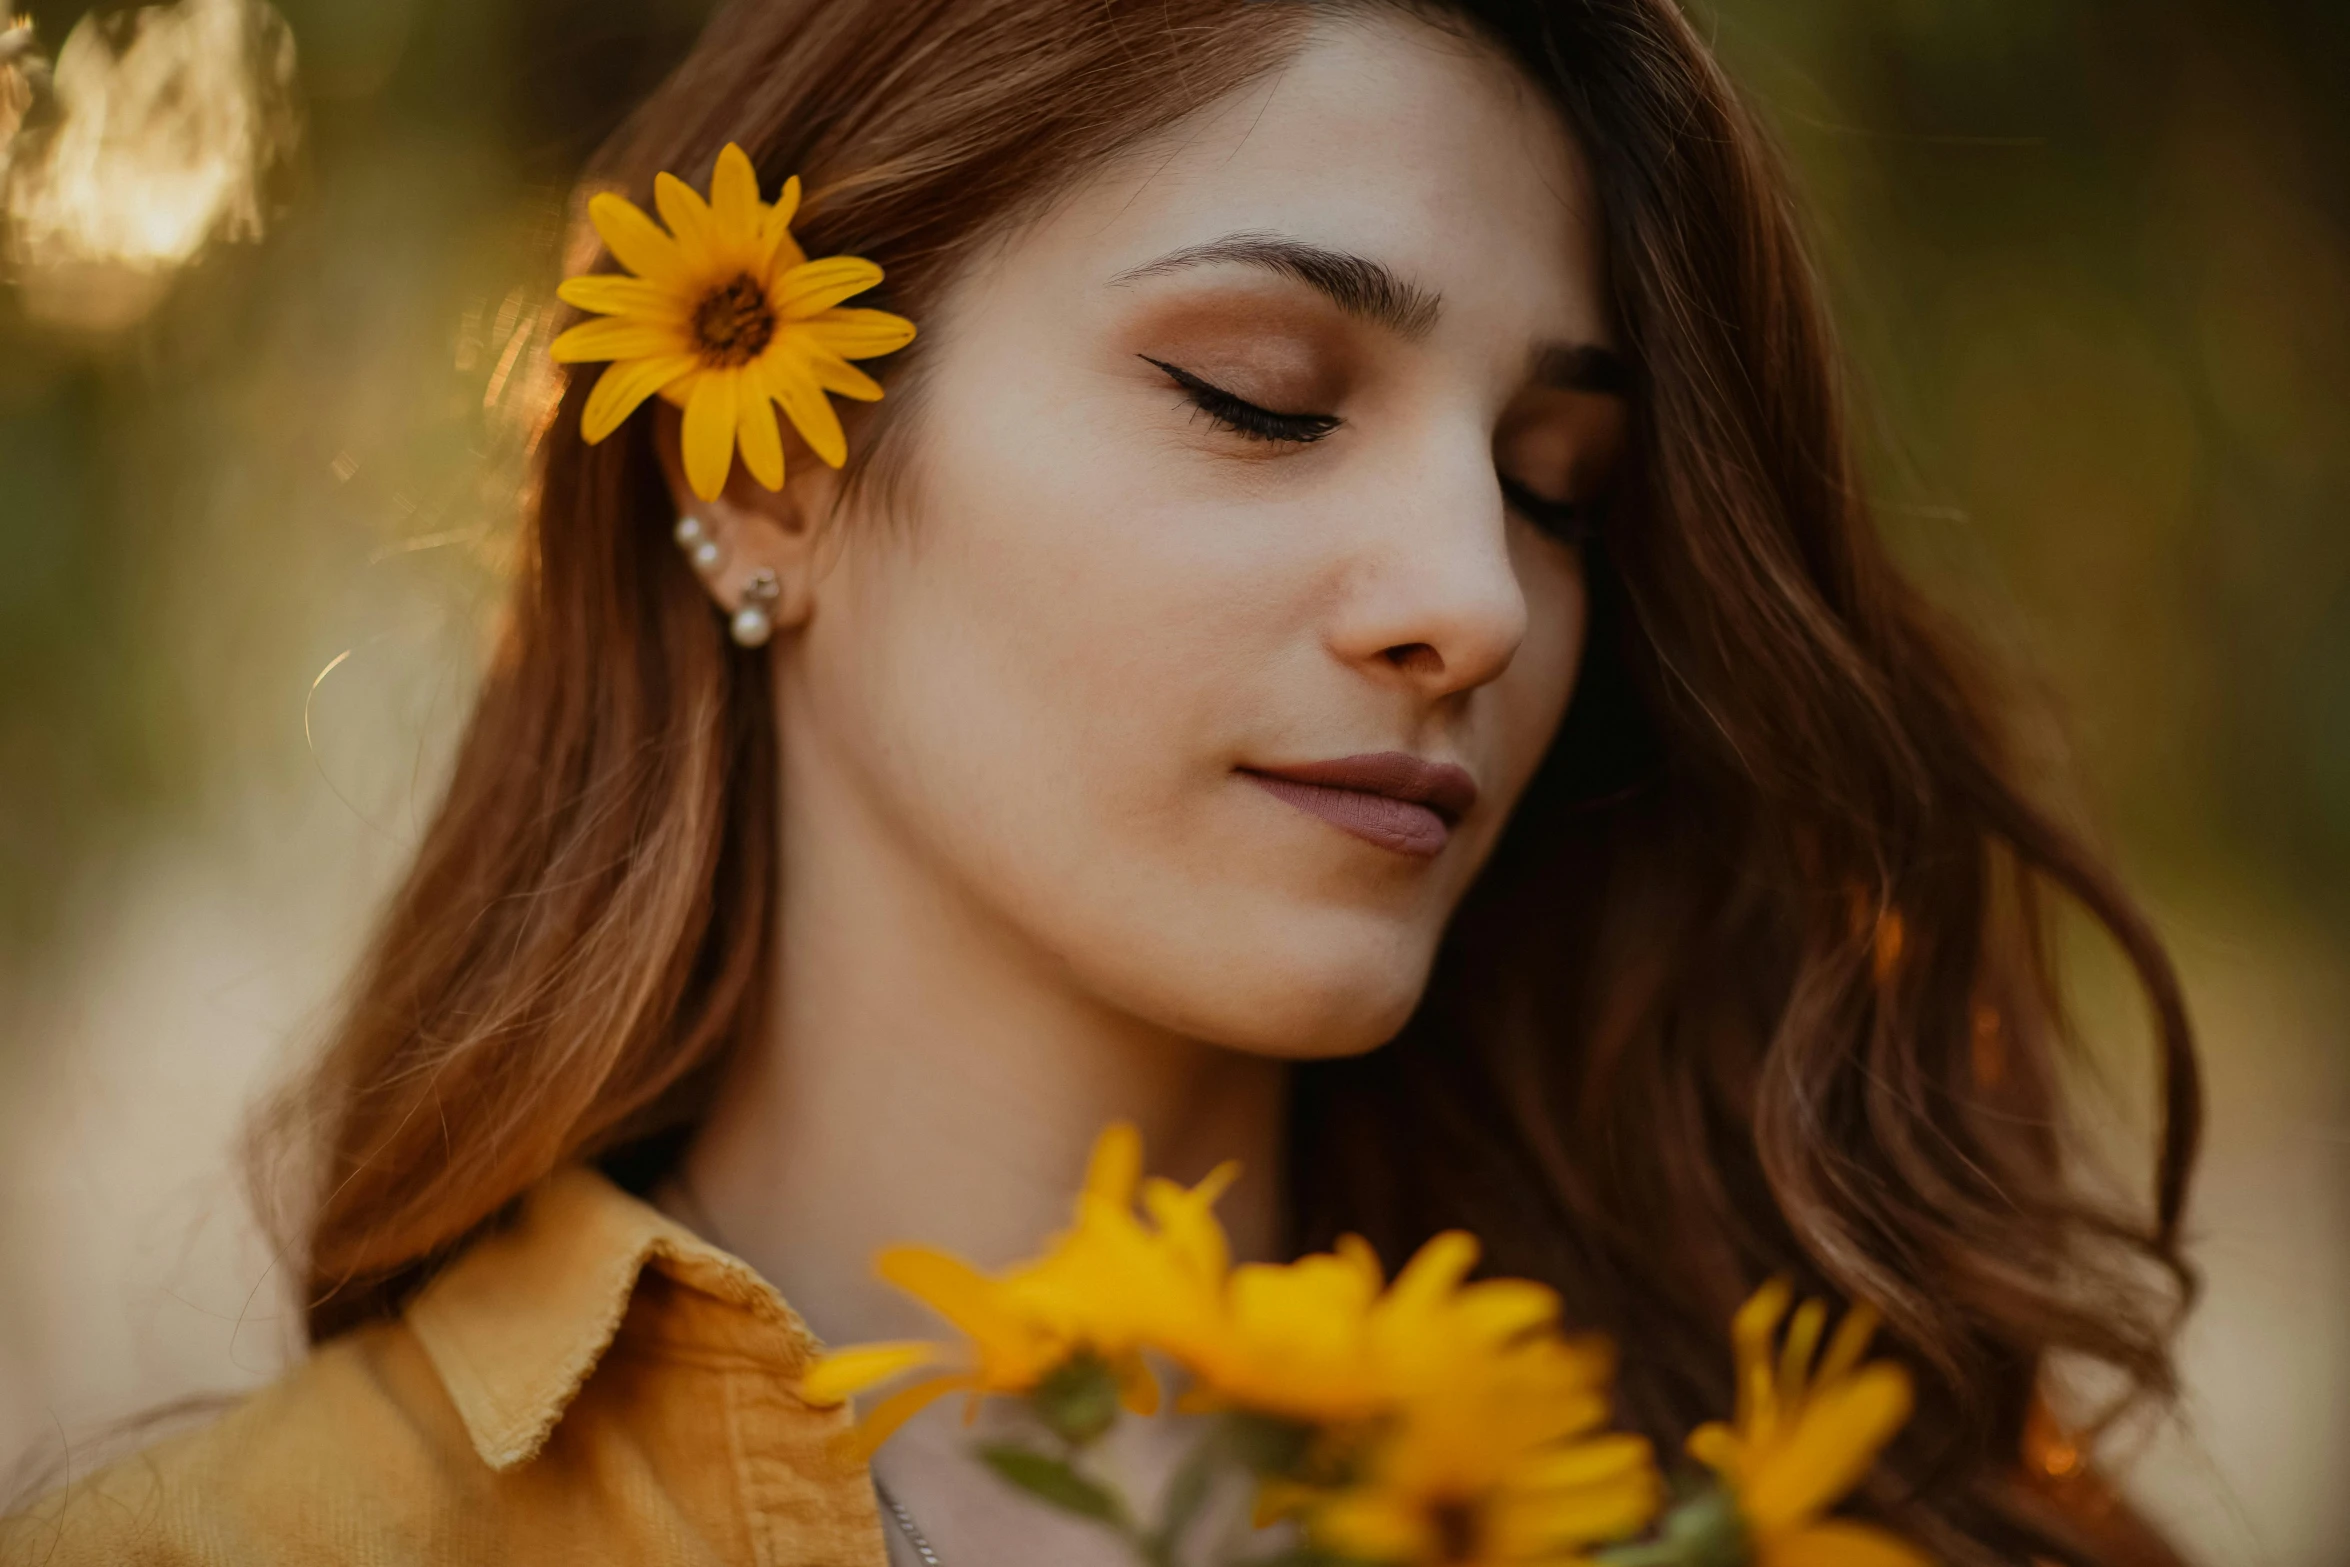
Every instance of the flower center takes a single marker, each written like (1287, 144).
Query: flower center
(735, 324)
(1456, 1531)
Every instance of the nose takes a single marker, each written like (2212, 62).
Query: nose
(1432, 600)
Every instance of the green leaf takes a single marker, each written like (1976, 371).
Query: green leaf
(1055, 1481)
(1649, 1553)
(1703, 1530)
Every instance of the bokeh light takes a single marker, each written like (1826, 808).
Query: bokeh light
(163, 128)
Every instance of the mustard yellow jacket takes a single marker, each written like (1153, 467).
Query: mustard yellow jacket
(592, 1385)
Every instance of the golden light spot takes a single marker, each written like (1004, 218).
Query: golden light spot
(1989, 1044)
(22, 73)
(1885, 949)
(170, 121)
(2048, 1447)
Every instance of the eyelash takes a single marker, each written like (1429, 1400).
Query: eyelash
(1562, 519)
(1246, 418)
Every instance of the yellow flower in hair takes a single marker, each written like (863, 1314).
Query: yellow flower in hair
(1806, 1435)
(727, 318)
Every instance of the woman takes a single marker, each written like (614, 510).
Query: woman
(1352, 641)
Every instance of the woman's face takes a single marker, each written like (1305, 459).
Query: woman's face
(1237, 596)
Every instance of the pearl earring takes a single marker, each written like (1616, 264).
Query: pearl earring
(699, 547)
(754, 623)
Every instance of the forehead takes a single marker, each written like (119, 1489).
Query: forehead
(1380, 136)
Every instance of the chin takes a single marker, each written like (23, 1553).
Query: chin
(1312, 1006)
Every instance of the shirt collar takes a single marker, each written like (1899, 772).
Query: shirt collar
(518, 1323)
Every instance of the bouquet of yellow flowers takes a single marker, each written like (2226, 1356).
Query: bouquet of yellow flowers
(1427, 1421)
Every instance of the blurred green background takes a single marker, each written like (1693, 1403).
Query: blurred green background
(2093, 260)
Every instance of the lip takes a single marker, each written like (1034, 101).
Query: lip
(1389, 798)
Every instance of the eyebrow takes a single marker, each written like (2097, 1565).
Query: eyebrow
(1355, 284)
(1373, 291)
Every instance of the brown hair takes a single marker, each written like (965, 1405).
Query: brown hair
(1755, 984)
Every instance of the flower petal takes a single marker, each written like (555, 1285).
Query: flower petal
(1188, 1227)
(1751, 1333)
(615, 337)
(710, 431)
(699, 239)
(734, 192)
(762, 441)
(1800, 1347)
(883, 1421)
(860, 1366)
(624, 388)
(1841, 1544)
(1849, 1344)
(1594, 1462)
(1548, 1526)
(778, 252)
(637, 243)
(1717, 1447)
(790, 384)
(1496, 1311)
(1376, 1526)
(1357, 1254)
(609, 294)
(1432, 1272)
(954, 1289)
(1115, 1166)
(816, 286)
(837, 375)
(1829, 1446)
(855, 334)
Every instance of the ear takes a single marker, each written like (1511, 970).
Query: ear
(751, 529)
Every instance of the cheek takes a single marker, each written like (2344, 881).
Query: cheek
(1047, 659)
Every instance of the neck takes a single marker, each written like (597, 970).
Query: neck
(929, 1077)
(934, 1077)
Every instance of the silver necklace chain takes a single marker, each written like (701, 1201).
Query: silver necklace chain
(913, 1531)
(699, 1218)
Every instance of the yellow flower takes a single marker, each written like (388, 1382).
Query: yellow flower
(1291, 1340)
(1444, 1495)
(1108, 1287)
(1318, 1340)
(1475, 1426)
(725, 317)
(1806, 1435)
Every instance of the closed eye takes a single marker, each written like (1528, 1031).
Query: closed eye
(1243, 417)
(1562, 520)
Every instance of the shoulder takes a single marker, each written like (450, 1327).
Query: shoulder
(357, 1450)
